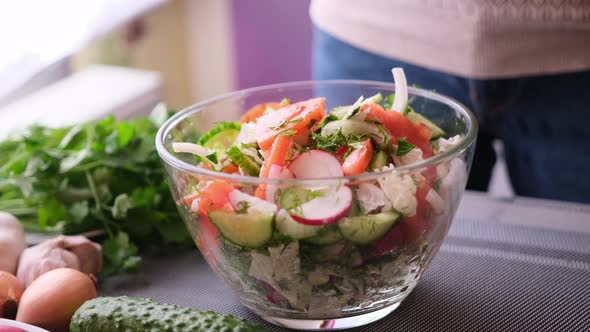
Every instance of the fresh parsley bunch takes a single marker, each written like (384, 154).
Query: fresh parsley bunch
(104, 175)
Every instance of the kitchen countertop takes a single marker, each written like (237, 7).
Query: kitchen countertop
(517, 265)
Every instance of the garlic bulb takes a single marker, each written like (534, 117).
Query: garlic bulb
(76, 252)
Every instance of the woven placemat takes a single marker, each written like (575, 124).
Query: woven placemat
(486, 277)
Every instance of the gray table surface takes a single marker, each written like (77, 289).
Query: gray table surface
(518, 265)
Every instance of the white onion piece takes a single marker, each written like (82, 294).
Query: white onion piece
(182, 147)
(437, 203)
(401, 90)
(195, 205)
(255, 204)
(315, 164)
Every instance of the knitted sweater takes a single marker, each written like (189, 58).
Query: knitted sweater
(471, 38)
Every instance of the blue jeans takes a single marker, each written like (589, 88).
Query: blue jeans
(543, 121)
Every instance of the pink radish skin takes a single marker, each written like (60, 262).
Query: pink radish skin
(276, 172)
(326, 209)
(11, 329)
(279, 172)
(315, 164)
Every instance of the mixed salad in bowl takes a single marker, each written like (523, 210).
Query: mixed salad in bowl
(346, 211)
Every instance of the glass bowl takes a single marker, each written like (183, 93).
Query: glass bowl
(317, 278)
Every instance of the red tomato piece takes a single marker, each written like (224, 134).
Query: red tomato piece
(400, 127)
(292, 119)
(358, 160)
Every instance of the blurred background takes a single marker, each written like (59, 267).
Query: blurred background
(199, 48)
(82, 60)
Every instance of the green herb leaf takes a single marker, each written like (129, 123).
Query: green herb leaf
(104, 175)
(243, 207)
(293, 198)
(287, 132)
(50, 213)
(357, 145)
(120, 255)
(279, 125)
(436, 184)
(404, 147)
(125, 132)
(332, 142)
(212, 157)
(78, 211)
(122, 204)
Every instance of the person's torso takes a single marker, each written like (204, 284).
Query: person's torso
(473, 38)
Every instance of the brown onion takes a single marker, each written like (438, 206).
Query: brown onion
(10, 293)
(53, 298)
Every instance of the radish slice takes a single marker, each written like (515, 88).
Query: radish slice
(401, 90)
(333, 205)
(276, 172)
(279, 172)
(253, 204)
(316, 164)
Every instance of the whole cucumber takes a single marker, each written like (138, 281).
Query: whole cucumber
(108, 314)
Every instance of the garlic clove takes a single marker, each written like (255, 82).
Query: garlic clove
(76, 252)
(88, 253)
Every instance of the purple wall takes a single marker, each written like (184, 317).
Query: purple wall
(272, 41)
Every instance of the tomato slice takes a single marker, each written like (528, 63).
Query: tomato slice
(340, 152)
(418, 224)
(358, 160)
(290, 120)
(188, 199)
(423, 130)
(408, 229)
(215, 196)
(208, 239)
(277, 156)
(399, 126)
(257, 111)
(230, 169)
(393, 238)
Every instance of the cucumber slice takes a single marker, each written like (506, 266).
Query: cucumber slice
(251, 230)
(356, 127)
(417, 117)
(245, 162)
(368, 228)
(326, 236)
(295, 230)
(379, 160)
(340, 111)
(355, 209)
(221, 137)
(293, 198)
(375, 99)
